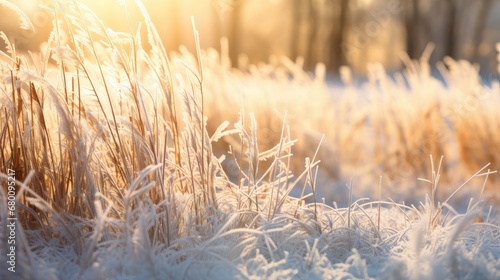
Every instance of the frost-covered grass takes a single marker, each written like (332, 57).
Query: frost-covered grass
(386, 127)
(135, 164)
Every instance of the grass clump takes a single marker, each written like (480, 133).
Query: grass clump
(119, 172)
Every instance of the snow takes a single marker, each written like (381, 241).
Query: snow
(404, 246)
(176, 212)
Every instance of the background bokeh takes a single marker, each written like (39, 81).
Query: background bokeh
(336, 32)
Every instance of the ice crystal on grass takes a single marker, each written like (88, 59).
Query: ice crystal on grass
(136, 164)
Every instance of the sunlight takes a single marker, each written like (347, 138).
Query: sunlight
(285, 153)
(28, 6)
(364, 3)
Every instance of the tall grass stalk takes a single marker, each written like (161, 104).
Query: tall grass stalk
(123, 170)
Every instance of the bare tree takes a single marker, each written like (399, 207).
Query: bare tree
(338, 31)
(453, 28)
(296, 23)
(313, 33)
(480, 27)
(413, 24)
(235, 30)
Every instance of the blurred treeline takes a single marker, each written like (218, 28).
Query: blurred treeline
(336, 32)
(357, 32)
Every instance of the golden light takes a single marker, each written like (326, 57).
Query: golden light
(364, 3)
(28, 6)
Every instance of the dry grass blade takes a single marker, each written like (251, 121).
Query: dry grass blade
(122, 171)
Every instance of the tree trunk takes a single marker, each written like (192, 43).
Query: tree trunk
(311, 40)
(413, 29)
(452, 29)
(480, 28)
(337, 57)
(297, 18)
(234, 32)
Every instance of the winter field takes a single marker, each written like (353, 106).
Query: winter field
(119, 160)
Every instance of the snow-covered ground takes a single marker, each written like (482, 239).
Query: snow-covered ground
(119, 176)
(369, 239)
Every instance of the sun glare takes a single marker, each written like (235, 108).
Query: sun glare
(28, 6)
(291, 139)
(364, 3)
